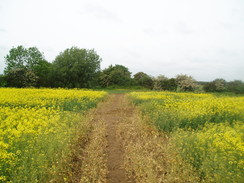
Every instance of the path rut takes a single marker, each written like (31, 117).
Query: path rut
(105, 147)
(112, 118)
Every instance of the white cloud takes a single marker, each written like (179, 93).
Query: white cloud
(201, 38)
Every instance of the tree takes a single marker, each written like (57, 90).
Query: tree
(170, 84)
(76, 68)
(21, 77)
(209, 87)
(43, 72)
(217, 85)
(164, 83)
(115, 75)
(236, 86)
(2, 81)
(158, 82)
(185, 82)
(27, 60)
(20, 57)
(142, 79)
(220, 85)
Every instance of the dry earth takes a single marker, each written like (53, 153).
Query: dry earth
(123, 148)
(104, 155)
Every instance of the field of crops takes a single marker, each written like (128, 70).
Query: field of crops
(36, 129)
(207, 130)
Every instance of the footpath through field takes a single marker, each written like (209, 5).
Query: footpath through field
(104, 154)
(122, 149)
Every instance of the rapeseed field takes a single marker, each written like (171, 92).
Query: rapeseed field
(36, 129)
(206, 130)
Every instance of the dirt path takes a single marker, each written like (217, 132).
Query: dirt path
(113, 117)
(124, 148)
(104, 155)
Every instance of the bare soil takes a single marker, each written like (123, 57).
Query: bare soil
(103, 159)
(124, 148)
(112, 117)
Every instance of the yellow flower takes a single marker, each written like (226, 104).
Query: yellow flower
(29, 117)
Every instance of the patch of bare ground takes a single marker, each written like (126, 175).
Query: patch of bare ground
(113, 117)
(103, 156)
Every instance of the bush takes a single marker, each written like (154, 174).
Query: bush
(236, 86)
(21, 77)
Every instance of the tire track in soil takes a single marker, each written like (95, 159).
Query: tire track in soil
(105, 146)
(114, 150)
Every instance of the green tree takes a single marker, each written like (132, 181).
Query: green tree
(209, 87)
(220, 85)
(144, 80)
(21, 77)
(158, 82)
(217, 85)
(30, 60)
(164, 83)
(20, 57)
(185, 83)
(76, 68)
(170, 84)
(2, 80)
(43, 72)
(115, 75)
(236, 86)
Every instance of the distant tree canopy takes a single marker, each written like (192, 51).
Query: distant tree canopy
(144, 80)
(115, 75)
(76, 68)
(20, 57)
(25, 60)
(21, 77)
(163, 83)
(80, 68)
(217, 85)
(185, 82)
(236, 86)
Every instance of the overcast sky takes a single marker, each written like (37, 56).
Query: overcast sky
(201, 38)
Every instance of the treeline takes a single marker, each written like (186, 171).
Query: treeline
(80, 68)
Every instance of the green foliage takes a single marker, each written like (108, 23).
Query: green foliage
(80, 68)
(185, 83)
(2, 81)
(217, 85)
(17, 58)
(157, 82)
(163, 83)
(170, 84)
(236, 86)
(43, 72)
(21, 77)
(76, 68)
(26, 58)
(115, 75)
(28, 61)
(144, 80)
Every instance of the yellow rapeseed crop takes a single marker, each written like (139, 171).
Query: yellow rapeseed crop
(207, 130)
(36, 125)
